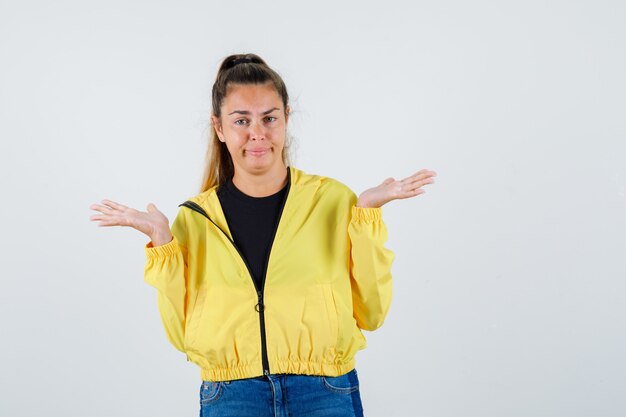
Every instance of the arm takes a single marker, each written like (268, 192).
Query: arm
(370, 267)
(370, 261)
(166, 270)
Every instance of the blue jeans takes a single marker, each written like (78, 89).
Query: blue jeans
(283, 395)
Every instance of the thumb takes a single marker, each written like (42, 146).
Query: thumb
(151, 208)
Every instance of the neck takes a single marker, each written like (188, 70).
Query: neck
(261, 185)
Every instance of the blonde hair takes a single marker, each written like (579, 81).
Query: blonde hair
(237, 69)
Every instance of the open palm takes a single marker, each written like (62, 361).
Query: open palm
(392, 189)
(152, 222)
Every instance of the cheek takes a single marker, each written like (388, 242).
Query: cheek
(234, 138)
(236, 147)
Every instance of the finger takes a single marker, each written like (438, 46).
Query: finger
(414, 184)
(417, 176)
(114, 205)
(110, 220)
(425, 182)
(102, 209)
(418, 173)
(108, 223)
(412, 193)
(424, 173)
(422, 180)
(413, 187)
(104, 221)
(415, 192)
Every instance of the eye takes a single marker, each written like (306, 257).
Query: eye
(240, 120)
(271, 117)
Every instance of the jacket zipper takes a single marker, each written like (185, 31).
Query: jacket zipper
(266, 365)
(260, 306)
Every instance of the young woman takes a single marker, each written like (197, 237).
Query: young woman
(267, 277)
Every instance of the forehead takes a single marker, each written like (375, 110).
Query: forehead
(251, 96)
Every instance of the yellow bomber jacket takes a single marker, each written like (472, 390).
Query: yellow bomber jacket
(328, 277)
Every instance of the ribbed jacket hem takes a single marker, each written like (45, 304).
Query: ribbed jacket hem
(280, 367)
(162, 251)
(366, 214)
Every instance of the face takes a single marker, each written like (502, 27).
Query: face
(253, 126)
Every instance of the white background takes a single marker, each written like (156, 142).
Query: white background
(509, 280)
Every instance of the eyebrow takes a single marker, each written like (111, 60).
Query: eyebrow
(247, 112)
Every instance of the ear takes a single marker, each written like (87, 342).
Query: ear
(218, 127)
(288, 112)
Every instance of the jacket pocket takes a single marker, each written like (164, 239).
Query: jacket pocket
(196, 313)
(331, 312)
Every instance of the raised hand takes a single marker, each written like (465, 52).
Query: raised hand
(153, 223)
(392, 189)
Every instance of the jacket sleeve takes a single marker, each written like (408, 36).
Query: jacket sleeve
(166, 270)
(370, 267)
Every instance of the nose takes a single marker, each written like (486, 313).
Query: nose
(257, 131)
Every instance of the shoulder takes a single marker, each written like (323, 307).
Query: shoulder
(203, 196)
(325, 186)
(302, 178)
(202, 199)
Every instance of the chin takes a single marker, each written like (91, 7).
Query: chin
(260, 165)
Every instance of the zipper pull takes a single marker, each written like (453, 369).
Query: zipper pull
(259, 305)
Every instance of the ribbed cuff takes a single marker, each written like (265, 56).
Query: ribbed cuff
(161, 251)
(366, 214)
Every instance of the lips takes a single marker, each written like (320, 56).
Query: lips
(257, 151)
